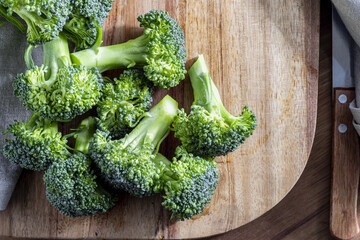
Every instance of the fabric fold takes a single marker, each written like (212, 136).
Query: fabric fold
(349, 12)
(356, 114)
(11, 63)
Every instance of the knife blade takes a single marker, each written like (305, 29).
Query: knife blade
(346, 154)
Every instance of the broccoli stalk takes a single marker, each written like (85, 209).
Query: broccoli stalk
(71, 185)
(81, 31)
(85, 132)
(128, 163)
(125, 55)
(154, 127)
(207, 96)
(11, 19)
(210, 130)
(56, 56)
(57, 90)
(160, 51)
(49, 127)
(36, 144)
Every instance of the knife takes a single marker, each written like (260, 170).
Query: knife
(346, 154)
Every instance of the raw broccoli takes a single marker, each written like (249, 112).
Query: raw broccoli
(160, 51)
(128, 164)
(123, 102)
(85, 21)
(44, 18)
(57, 90)
(71, 185)
(36, 144)
(10, 19)
(210, 130)
(189, 183)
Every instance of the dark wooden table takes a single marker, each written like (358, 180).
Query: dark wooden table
(304, 213)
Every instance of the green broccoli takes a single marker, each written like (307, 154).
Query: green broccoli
(210, 130)
(128, 164)
(11, 19)
(57, 90)
(44, 18)
(71, 185)
(123, 102)
(160, 51)
(85, 20)
(189, 183)
(36, 144)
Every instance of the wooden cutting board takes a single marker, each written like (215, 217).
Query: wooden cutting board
(260, 53)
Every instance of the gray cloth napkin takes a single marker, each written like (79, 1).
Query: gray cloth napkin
(12, 47)
(349, 11)
(355, 104)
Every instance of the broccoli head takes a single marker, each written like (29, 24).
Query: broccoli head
(210, 130)
(96, 10)
(44, 18)
(36, 144)
(85, 20)
(189, 183)
(123, 102)
(160, 51)
(71, 185)
(57, 90)
(128, 164)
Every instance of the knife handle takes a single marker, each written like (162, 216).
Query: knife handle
(345, 168)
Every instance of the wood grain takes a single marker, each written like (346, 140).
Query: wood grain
(304, 213)
(260, 53)
(345, 170)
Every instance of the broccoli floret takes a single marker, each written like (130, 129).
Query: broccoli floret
(36, 144)
(96, 10)
(210, 130)
(81, 31)
(123, 102)
(189, 183)
(128, 164)
(84, 21)
(57, 90)
(44, 18)
(71, 185)
(160, 51)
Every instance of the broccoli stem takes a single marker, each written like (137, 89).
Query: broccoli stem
(50, 127)
(124, 55)
(35, 121)
(168, 175)
(169, 179)
(56, 56)
(28, 58)
(11, 19)
(205, 92)
(155, 126)
(75, 31)
(86, 131)
(161, 159)
(31, 19)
